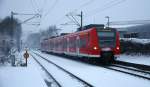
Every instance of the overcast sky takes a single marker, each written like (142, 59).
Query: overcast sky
(94, 11)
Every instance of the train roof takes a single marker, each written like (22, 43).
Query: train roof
(91, 26)
(107, 28)
(87, 28)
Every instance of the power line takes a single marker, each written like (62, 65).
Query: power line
(24, 14)
(29, 19)
(36, 4)
(131, 22)
(43, 6)
(106, 6)
(59, 20)
(39, 10)
(83, 5)
(87, 3)
(73, 19)
(50, 9)
(33, 6)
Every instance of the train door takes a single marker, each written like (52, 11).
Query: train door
(68, 45)
(77, 45)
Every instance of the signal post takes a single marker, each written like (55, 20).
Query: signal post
(26, 56)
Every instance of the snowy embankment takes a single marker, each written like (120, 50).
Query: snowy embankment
(135, 46)
(138, 50)
(21, 76)
(96, 75)
(135, 59)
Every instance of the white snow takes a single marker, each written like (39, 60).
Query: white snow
(62, 77)
(139, 59)
(96, 75)
(21, 76)
(99, 77)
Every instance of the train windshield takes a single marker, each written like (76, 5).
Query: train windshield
(106, 38)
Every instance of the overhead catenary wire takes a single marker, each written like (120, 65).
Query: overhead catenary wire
(38, 9)
(84, 5)
(79, 8)
(41, 10)
(33, 6)
(73, 20)
(43, 16)
(98, 10)
(50, 9)
(43, 5)
(29, 19)
(106, 7)
(36, 4)
(130, 22)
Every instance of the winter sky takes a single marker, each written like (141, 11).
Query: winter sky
(94, 11)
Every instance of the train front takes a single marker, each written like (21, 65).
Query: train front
(109, 44)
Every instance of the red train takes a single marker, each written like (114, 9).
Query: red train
(94, 43)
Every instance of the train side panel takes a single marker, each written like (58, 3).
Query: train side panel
(94, 50)
(87, 44)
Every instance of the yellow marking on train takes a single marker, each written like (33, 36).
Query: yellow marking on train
(83, 33)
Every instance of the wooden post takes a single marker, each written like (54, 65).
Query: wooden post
(26, 55)
(26, 62)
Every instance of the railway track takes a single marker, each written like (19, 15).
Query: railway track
(55, 82)
(129, 70)
(138, 66)
(84, 83)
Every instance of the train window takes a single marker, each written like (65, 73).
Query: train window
(83, 42)
(78, 43)
(65, 43)
(106, 34)
(72, 43)
(106, 39)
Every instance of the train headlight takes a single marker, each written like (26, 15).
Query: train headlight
(117, 48)
(95, 48)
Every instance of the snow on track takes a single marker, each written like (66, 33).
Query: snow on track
(21, 76)
(135, 72)
(135, 59)
(96, 75)
(62, 77)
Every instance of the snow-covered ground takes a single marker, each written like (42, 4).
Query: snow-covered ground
(62, 77)
(98, 76)
(21, 76)
(141, 59)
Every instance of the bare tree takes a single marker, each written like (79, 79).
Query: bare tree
(51, 31)
(33, 40)
(10, 34)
